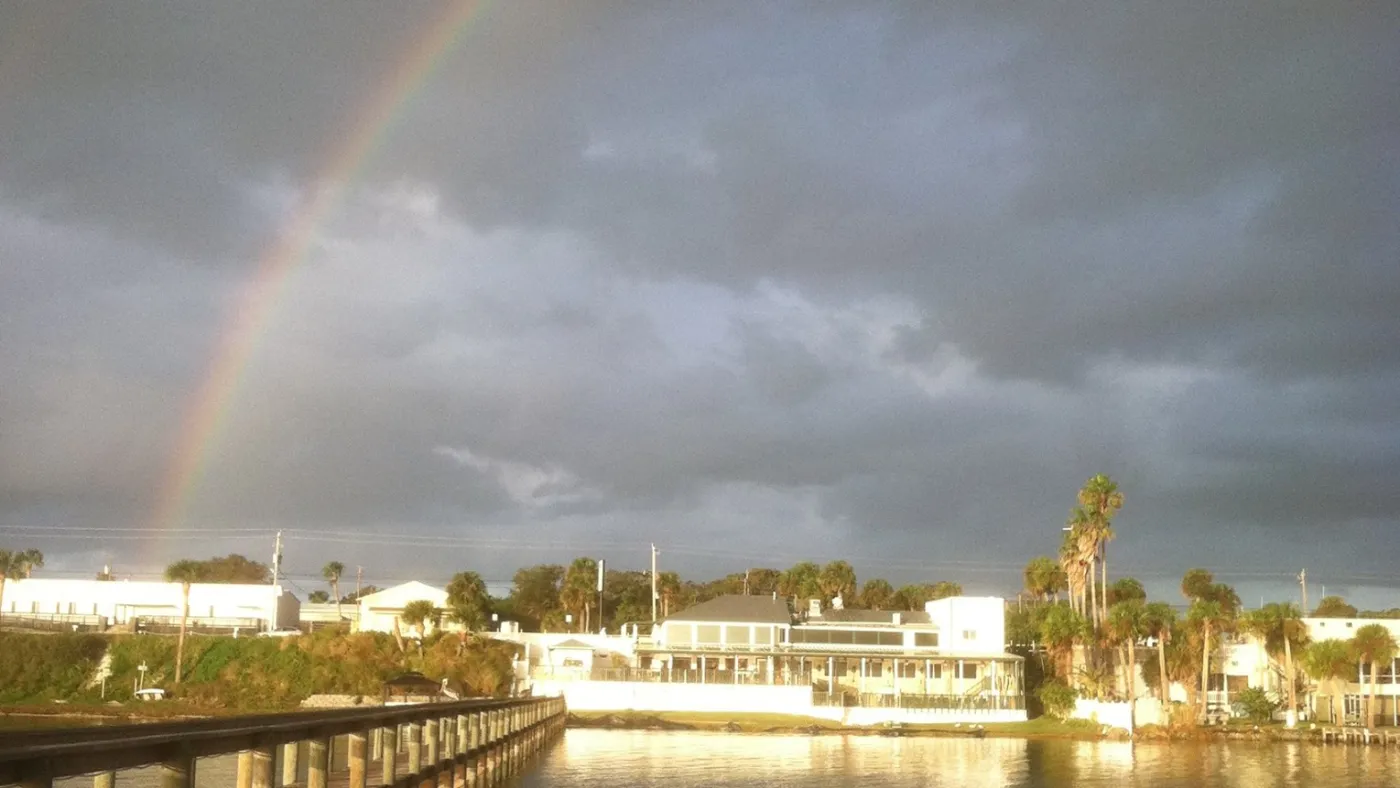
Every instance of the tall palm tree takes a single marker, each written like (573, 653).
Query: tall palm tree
(17, 566)
(332, 572)
(185, 573)
(838, 579)
(1127, 621)
(1374, 644)
(1101, 500)
(579, 590)
(668, 587)
(418, 613)
(876, 594)
(1279, 626)
(1158, 620)
(1326, 661)
(1215, 612)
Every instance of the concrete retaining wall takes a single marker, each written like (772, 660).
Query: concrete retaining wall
(740, 699)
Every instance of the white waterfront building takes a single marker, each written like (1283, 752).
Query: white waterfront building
(104, 604)
(945, 663)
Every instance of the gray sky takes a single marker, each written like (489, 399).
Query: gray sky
(754, 282)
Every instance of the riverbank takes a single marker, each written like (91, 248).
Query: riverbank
(752, 723)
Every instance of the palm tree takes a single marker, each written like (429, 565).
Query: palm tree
(17, 566)
(185, 573)
(1327, 661)
(468, 601)
(876, 594)
(1158, 620)
(1060, 630)
(1279, 626)
(418, 613)
(1044, 578)
(1216, 611)
(837, 579)
(1101, 500)
(579, 590)
(1127, 621)
(1374, 644)
(668, 587)
(332, 572)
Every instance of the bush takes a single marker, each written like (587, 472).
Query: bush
(1256, 704)
(1057, 698)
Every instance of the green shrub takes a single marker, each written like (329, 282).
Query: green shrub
(1256, 704)
(47, 666)
(1057, 698)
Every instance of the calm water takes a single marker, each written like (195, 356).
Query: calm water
(653, 759)
(603, 759)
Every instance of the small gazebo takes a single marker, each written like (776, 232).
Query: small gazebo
(412, 687)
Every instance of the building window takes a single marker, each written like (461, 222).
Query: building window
(678, 634)
(926, 639)
(707, 634)
(762, 636)
(937, 670)
(908, 669)
(969, 670)
(736, 635)
(875, 668)
(969, 634)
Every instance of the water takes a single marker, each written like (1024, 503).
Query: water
(653, 759)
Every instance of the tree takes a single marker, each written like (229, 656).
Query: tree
(17, 566)
(1334, 607)
(318, 597)
(418, 613)
(233, 568)
(579, 590)
(1280, 627)
(1101, 499)
(1158, 621)
(534, 593)
(1126, 588)
(1372, 644)
(668, 587)
(1062, 628)
(1326, 661)
(944, 589)
(1127, 622)
(838, 579)
(1045, 578)
(802, 581)
(876, 594)
(332, 572)
(185, 573)
(1196, 584)
(468, 602)
(1213, 612)
(763, 581)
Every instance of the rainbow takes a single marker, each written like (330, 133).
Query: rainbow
(207, 415)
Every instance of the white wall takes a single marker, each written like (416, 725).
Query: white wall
(982, 616)
(378, 611)
(537, 644)
(751, 699)
(119, 601)
(1114, 715)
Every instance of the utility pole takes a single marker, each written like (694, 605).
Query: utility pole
(602, 567)
(277, 559)
(359, 576)
(653, 586)
(1303, 581)
(746, 582)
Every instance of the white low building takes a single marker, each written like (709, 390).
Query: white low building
(383, 610)
(100, 604)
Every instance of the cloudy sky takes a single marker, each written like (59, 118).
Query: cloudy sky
(755, 282)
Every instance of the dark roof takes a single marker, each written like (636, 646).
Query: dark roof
(739, 609)
(412, 681)
(870, 617)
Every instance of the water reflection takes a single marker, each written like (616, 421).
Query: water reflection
(691, 760)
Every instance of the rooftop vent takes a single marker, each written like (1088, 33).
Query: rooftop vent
(814, 608)
(898, 619)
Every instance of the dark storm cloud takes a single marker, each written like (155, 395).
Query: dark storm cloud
(789, 280)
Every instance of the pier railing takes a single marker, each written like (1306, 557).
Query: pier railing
(464, 739)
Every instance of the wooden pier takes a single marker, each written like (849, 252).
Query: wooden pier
(1358, 735)
(459, 744)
